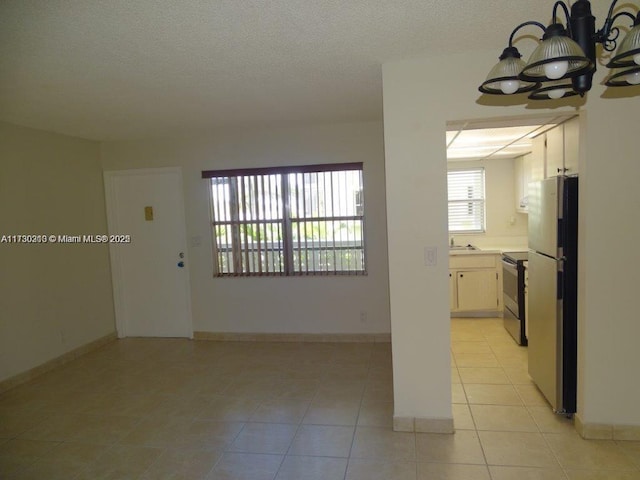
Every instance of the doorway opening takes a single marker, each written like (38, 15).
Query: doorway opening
(487, 217)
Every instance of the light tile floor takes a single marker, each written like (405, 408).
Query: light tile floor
(168, 408)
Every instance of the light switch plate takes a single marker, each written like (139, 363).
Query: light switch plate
(430, 256)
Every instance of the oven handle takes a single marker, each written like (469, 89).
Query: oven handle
(510, 266)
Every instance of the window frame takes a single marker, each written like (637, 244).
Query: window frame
(286, 250)
(472, 202)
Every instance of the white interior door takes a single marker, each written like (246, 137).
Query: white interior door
(150, 276)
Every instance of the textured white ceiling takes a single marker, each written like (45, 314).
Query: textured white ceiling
(121, 69)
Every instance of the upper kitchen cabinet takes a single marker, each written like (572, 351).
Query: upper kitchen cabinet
(555, 152)
(522, 177)
(571, 145)
(538, 154)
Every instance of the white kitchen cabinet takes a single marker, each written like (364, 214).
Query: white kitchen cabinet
(554, 155)
(562, 149)
(477, 289)
(571, 145)
(453, 295)
(538, 152)
(522, 177)
(475, 282)
(556, 151)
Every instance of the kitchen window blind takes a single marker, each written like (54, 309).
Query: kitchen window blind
(466, 200)
(306, 220)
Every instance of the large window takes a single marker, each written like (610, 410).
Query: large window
(466, 200)
(306, 220)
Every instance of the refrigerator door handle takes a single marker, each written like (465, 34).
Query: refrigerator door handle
(559, 286)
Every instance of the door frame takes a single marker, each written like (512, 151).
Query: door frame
(112, 226)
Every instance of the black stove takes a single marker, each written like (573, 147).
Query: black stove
(516, 256)
(513, 294)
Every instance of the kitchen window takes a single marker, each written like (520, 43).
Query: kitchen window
(305, 220)
(466, 200)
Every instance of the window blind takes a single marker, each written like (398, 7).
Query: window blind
(466, 200)
(306, 220)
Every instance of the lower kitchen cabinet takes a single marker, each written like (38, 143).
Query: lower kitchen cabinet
(453, 295)
(477, 289)
(475, 284)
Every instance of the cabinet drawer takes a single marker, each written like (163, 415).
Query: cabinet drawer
(472, 261)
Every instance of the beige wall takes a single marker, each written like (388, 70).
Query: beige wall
(609, 391)
(417, 108)
(416, 189)
(54, 297)
(274, 305)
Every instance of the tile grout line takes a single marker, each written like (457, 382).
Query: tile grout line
(355, 427)
(475, 426)
(299, 425)
(501, 367)
(562, 467)
(524, 403)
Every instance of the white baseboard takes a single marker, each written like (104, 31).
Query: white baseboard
(422, 424)
(478, 314)
(604, 431)
(34, 372)
(294, 337)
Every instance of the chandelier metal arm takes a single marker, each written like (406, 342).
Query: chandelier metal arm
(515, 30)
(623, 14)
(608, 34)
(567, 16)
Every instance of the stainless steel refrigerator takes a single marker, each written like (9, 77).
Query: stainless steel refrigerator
(552, 269)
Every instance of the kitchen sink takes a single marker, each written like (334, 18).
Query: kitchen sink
(463, 247)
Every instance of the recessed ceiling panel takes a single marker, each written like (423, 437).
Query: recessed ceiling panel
(464, 143)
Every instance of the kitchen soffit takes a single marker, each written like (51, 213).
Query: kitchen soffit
(491, 139)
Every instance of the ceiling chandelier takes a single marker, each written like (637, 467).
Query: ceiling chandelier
(564, 62)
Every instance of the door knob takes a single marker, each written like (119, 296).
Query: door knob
(181, 264)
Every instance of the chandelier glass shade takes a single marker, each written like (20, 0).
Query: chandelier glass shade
(554, 91)
(623, 77)
(503, 77)
(556, 57)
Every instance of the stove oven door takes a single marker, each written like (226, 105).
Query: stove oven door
(510, 296)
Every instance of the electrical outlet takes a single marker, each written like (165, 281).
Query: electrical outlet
(363, 317)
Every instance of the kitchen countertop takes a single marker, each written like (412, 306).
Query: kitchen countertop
(475, 252)
(493, 250)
